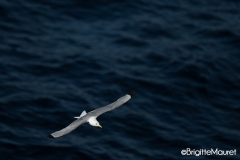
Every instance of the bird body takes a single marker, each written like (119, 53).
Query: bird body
(91, 117)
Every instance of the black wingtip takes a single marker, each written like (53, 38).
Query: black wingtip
(50, 136)
(131, 93)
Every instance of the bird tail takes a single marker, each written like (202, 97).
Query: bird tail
(82, 114)
(77, 117)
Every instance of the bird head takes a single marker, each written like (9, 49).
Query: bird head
(94, 122)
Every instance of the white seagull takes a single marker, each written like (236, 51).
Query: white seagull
(90, 117)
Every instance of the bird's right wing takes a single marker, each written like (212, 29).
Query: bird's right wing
(68, 129)
(119, 102)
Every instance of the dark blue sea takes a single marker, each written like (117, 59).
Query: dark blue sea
(58, 58)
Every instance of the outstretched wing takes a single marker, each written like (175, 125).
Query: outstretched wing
(119, 102)
(69, 128)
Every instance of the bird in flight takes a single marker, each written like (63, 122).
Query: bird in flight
(91, 117)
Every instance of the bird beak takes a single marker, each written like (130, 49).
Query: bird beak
(100, 126)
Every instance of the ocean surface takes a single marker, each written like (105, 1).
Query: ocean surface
(58, 58)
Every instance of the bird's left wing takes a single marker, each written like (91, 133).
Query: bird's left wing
(69, 128)
(119, 102)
